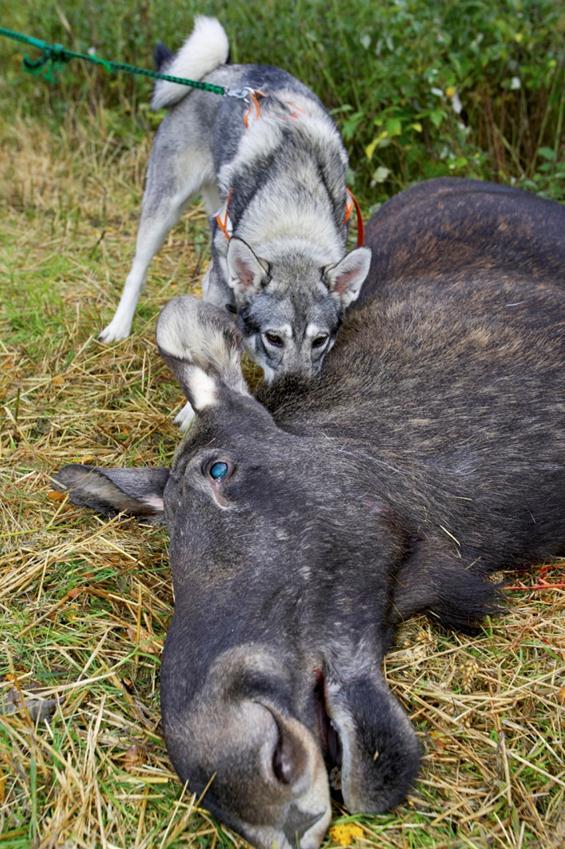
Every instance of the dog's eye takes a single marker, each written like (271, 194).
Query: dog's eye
(319, 341)
(219, 470)
(274, 339)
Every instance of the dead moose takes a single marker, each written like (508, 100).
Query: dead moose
(307, 522)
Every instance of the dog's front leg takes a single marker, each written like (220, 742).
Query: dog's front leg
(215, 287)
(175, 174)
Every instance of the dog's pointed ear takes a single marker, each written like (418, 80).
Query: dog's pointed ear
(202, 346)
(246, 272)
(345, 278)
(138, 492)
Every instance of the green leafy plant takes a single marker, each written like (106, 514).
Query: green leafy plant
(419, 88)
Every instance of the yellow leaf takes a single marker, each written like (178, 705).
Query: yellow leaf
(58, 380)
(451, 91)
(370, 149)
(346, 834)
(55, 495)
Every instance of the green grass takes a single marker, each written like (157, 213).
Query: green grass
(388, 70)
(85, 604)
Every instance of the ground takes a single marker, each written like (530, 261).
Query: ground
(85, 603)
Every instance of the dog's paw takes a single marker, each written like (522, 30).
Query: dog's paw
(115, 331)
(184, 418)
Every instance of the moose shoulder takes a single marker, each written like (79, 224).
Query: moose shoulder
(307, 522)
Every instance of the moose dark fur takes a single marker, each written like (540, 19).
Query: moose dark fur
(309, 521)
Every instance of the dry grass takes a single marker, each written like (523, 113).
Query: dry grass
(84, 603)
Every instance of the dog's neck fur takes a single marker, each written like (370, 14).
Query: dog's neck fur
(291, 211)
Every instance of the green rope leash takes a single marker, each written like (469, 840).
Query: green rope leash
(54, 56)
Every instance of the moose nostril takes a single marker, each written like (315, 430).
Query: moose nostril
(282, 767)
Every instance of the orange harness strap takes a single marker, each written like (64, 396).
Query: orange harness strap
(222, 217)
(253, 111)
(353, 203)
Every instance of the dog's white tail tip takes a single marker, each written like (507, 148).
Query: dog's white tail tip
(205, 49)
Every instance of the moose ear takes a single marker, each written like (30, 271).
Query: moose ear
(138, 492)
(246, 272)
(202, 346)
(457, 598)
(344, 280)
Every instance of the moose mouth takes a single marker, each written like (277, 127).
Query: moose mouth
(328, 736)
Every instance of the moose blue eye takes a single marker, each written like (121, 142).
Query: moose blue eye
(219, 471)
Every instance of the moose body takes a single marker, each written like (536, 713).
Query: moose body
(307, 522)
(450, 226)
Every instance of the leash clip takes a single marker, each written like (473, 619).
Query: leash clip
(251, 98)
(244, 94)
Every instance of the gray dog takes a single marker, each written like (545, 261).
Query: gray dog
(270, 162)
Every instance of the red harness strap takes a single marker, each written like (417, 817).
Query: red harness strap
(253, 111)
(222, 217)
(353, 203)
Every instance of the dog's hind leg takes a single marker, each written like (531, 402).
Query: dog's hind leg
(163, 204)
(150, 237)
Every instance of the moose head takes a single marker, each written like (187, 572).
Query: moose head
(271, 683)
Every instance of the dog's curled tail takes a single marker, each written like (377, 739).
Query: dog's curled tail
(205, 48)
